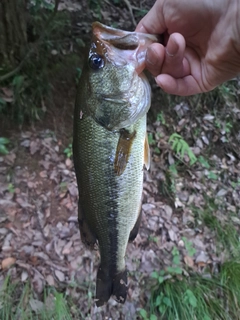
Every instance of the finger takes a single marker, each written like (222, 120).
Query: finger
(153, 22)
(154, 58)
(174, 63)
(185, 86)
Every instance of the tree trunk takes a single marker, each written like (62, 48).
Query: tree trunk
(13, 32)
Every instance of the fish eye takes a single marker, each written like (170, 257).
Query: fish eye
(96, 61)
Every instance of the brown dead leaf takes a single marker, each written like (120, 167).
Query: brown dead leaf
(8, 262)
(34, 146)
(68, 162)
(23, 203)
(189, 261)
(38, 281)
(50, 280)
(43, 174)
(10, 158)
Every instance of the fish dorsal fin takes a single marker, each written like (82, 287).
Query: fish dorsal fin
(147, 154)
(123, 150)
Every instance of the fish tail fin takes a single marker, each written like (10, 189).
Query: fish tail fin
(108, 285)
(120, 286)
(103, 287)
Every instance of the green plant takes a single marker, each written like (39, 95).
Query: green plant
(144, 315)
(157, 150)
(235, 184)
(226, 233)
(203, 162)
(152, 238)
(30, 81)
(11, 188)
(3, 143)
(151, 139)
(212, 175)
(196, 297)
(95, 5)
(176, 256)
(140, 12)
(18, 301)
(68, 151)
(228, 127)
(181, 147)
(63, 186)
(161, 118)
(189, 247)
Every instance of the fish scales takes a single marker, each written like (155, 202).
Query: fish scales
(112, 200)
(109, 151)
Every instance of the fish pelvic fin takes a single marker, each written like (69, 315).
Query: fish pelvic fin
(106, 286)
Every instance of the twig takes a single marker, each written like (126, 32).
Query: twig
(30, 52)
(131, 12)
(115, 8)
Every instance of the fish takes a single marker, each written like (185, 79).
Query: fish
(110, 149)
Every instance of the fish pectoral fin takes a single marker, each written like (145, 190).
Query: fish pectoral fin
(123, 150)
(147, 154)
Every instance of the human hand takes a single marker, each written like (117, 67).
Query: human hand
(201, 44)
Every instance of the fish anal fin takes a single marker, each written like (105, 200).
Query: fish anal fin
(135, 229)
(123, 150)
(147, 154)
(87, 236)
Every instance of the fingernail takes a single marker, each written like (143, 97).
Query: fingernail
(150, 57)
(171, 49)
(158, 82)
(169, 54)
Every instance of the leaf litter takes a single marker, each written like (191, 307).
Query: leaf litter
(40, 238)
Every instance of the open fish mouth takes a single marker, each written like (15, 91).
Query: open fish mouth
(111, 42)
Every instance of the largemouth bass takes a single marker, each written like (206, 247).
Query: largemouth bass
(110, 149)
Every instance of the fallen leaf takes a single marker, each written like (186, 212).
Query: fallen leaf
(50, 280)
(8, 262)
(60, 275)
(189, 261)
(24, 276)
(36, 305)
(202, 258)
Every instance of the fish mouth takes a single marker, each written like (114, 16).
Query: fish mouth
(121, 47)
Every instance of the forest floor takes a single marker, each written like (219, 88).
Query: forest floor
(191, 212)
